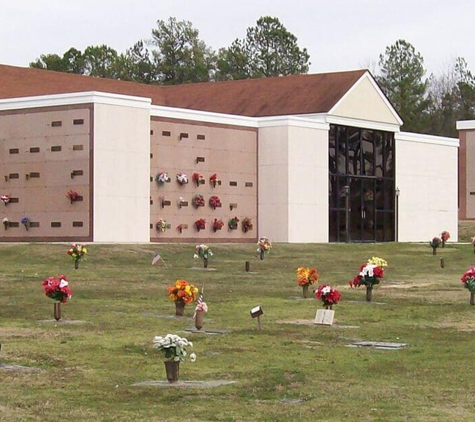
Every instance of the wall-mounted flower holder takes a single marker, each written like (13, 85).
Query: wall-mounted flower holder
(73, 196)
(198, 201)
(217, 224)
(198, 179)
(164, 202)
(200, 159)
(182, 203)
(183, 136)
(247, 225)
(6, 223)
(75, 173)
(232, 205)
(200, 224)
(6, 178)
(182, 178)
(214, 181)
(162, 225)
(182, 227)
(233, 223)
(5, 199)
(215, 202)
(162, 178)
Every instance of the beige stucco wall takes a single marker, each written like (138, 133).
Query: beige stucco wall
(228, 151)
(293, 182)
(121, 171)
(364, 101)
(426, 175)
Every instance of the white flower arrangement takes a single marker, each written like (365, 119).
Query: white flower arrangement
(203, 251)
(182, 178)
(173, 347)
(162, 178)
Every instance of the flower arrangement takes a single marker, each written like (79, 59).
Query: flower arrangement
(77, 253)
(327, 295)
(173, 347)
(182, 178)
(198, 179)
(233, 223)
(182, 291)
(213, 180)
(5, 199)
(264, 245)
(161, 225)
(26, 222)
(306, 276)
(180, 228)
(162, 178)
(214, 202)
(203, 252)
(72, 195)
(57, 288)
(435, 242)
(247, 224)
(6, 223)
(468, 280)
(444, 236)
(370, 273)
(217, 224)
(198, 201)
(200, 224)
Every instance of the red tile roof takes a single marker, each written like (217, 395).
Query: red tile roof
(288, 95)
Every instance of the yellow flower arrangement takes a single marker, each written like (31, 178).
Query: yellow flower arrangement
(306, 276)
(380, 262)
(183, 291)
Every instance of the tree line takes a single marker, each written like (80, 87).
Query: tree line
(176, 55)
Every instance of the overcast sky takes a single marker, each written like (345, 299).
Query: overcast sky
(338, 34)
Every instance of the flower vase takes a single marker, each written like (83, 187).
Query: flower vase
(443, 243)
(329, 307)
(369, 293)
(262, 254)
(179, 308)
(172, 368)
(434, 250)
(199, 320)
(76, 264)
(305, 291)
(472, 298)
(5, 224)
(57, 311)
(205, 262)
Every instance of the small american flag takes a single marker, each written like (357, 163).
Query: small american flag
(200, 298)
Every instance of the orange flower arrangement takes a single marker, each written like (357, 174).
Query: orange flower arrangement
(183, 291)
(306, 276)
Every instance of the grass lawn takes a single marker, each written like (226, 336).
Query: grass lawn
(285, 372)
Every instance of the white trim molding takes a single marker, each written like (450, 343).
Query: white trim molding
(304, 122)
(73, 99)
(202, 116)
(427, 139)
(465, 125)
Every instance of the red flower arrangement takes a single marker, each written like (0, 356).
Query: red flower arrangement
(468, 279)
(217, 224)
(57, 288)
(198, 201)
(214, 202)
(198, 179)
(72, 195)
(328, 295)
(370, 273)
(213, 180)
(200, 224)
